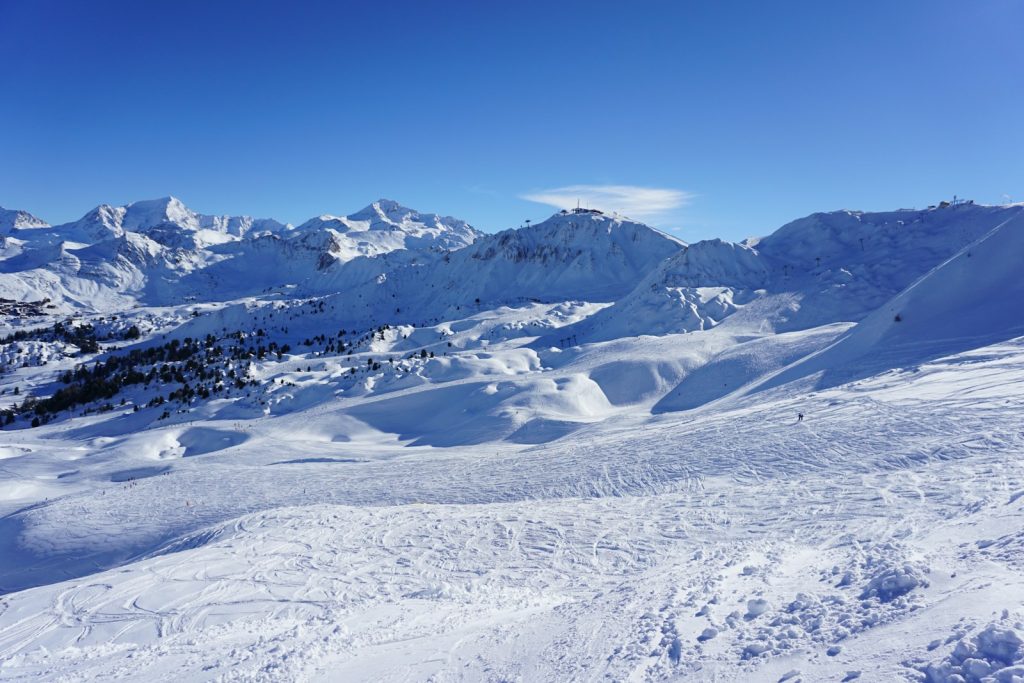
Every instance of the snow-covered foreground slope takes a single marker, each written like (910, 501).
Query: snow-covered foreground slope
(733, 544)
(480, 487)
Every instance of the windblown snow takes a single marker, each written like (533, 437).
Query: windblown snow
(387, 446)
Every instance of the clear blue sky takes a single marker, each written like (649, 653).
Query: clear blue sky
(751, 114)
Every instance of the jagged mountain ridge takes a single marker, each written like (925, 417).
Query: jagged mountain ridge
(386, 225)
(160, 251)
(12, 220)
(166, 220)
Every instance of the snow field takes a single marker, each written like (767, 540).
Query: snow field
(481, 464)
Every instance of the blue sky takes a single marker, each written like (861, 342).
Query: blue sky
(706, 119)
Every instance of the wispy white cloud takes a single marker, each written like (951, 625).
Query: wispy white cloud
(637, 202)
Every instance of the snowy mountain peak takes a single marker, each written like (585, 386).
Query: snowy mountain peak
(102, 223)
(150, 213)
(15, 219)
(830, 236)
(387, 211)
(387, 214)
(580, 229)
(385, 226)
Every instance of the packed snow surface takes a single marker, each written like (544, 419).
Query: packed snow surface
(580, 450)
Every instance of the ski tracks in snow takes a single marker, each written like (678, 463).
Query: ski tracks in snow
(730, 545)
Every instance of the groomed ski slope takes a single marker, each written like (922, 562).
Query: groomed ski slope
(639, 549)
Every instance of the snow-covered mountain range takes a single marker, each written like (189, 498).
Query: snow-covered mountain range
(161, 252)
(387, 446)
(832, 266)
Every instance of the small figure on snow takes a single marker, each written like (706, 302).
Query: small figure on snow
(799, 417)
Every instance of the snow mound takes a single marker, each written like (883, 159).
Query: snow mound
(627, 382)
(993, 655)
(204, 440)
(533, 410)
(890, 582)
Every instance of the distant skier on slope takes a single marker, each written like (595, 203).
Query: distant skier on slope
(799, 417)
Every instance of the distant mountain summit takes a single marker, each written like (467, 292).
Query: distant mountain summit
(13, 219)
(166, 220)
(385, 225)
(578, 255)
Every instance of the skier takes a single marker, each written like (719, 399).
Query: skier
(799, 417)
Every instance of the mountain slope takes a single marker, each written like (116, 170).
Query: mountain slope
(825, 268)
(973, 299)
